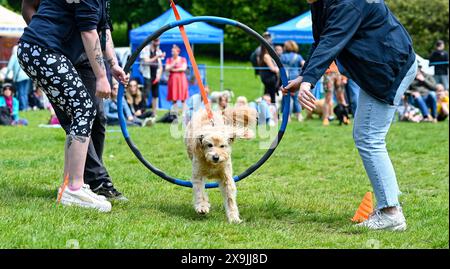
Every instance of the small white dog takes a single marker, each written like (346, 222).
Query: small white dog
(209, 148)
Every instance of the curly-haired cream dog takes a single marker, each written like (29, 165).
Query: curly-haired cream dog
(209, 148)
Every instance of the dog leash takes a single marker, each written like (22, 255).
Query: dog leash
(194, 64)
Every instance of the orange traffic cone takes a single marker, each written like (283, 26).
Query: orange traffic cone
(364, 209)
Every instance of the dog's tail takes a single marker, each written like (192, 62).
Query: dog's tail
(243, 121)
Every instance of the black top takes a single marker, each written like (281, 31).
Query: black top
(57, 24)
(141, 106)
(439, 59)
(368, 41)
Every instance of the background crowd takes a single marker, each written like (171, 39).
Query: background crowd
(427, 99)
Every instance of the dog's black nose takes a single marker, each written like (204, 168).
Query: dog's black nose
(216, 158)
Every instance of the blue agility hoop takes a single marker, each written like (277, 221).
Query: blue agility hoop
(218, 20)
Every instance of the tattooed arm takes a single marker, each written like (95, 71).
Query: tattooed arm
(111, 59)
(29, 8)
(94, 52)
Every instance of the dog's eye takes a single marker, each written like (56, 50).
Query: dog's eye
(210, 145)
(222, 146)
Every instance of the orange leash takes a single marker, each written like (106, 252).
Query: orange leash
(63, 188)
(194, 63)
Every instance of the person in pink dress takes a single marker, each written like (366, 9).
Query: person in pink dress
(178, 83)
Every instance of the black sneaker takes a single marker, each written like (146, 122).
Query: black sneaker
(107, 189)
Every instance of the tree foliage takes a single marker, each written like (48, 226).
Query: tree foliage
(425, 20)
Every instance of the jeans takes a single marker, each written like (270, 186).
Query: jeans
(426, 103)
(442, 79)
(372, 121)
(24, 88)
(295, 104)
(353, 93)
(263, 109)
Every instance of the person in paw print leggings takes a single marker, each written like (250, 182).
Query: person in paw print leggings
(58, 35)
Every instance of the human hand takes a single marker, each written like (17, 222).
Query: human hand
(420, 77)
(305, 97)
(119, 74)
(102, 88)
(138, 113)
(292, 86)
(130, 118)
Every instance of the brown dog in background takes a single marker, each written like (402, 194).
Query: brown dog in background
(209, 148)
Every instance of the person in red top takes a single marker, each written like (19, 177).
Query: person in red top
(178, 83)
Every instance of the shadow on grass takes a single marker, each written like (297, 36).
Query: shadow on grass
(181, 210)
(9, 193)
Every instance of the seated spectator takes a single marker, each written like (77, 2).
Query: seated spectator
(10, 105)
(112, 112)
(36, 99)
(407, 112)
(265, 109)
(442, 102)
(137, 102)
(223, 102)
(422, 94)
(194, 103)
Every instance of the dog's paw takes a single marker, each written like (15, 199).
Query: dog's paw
(234, 219)
(202, 208)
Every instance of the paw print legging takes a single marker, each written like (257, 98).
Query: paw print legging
(58, 78)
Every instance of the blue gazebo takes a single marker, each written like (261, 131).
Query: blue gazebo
(298, 29)
(198, 33)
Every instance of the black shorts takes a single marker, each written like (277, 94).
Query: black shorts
(151, 88)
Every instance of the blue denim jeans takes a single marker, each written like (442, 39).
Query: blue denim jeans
(372, 122)
(23, 88)
(426, 103)
(353, 93)
(264, 115)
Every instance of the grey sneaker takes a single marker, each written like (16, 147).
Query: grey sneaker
(379, 220)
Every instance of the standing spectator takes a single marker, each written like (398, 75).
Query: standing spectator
(423, 95)
(22, 82)
(293, 62)
(178, 83)
(352, 89)
(257, 52)
(439, 59)
(279, 50)
(333, 82)
(442, 102)
(151, 68)
(269, 74)
(8, 101)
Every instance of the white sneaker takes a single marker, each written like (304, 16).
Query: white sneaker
(379, 220)
(149, 122)
(84, 197)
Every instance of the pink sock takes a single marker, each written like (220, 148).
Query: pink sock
(74, 187)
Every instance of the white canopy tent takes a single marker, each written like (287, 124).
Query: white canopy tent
(11, 23)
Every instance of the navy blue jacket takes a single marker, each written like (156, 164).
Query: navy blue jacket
(57, 24)
(366, 38)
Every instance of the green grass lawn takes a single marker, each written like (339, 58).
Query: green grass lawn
(303, 197)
